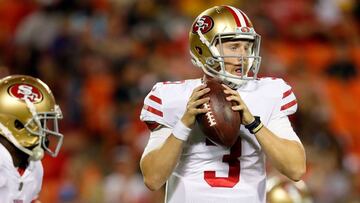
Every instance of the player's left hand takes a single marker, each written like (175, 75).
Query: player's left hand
(246, 115)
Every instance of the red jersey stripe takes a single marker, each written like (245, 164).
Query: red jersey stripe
(21, 171)
(287, 93)
(237, 20)
(155, 99)
(153, 110)
(288, 105)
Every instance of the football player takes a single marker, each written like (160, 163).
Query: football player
(28, 128)
(282, 190)
(223, 42)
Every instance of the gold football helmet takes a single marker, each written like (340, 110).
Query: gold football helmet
(281, 190)
(29, 116)
(213, 27)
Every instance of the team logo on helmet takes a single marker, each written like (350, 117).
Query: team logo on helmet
(22, 91)
(204, 24)
(245, 29)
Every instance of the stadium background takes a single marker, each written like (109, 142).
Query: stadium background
(101, 57)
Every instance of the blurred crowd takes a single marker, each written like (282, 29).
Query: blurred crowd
(101, 57)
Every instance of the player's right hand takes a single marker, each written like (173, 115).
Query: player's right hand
(194, 105)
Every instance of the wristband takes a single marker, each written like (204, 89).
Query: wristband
(181, 131)
(255, 126)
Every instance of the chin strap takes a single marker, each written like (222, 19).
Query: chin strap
(35, 154)
(38, 151)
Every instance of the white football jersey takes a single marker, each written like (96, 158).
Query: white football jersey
(207, 172)
(16, 188)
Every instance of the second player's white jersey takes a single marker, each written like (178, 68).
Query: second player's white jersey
(211, 173)
(16, 188)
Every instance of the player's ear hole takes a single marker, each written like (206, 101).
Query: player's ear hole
(18, 125)
(199, 50)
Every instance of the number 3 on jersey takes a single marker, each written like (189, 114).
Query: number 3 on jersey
(234, 168)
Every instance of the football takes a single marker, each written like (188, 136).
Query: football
(220, 124)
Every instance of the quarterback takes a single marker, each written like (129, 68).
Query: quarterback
(28, 128)
(223, 42)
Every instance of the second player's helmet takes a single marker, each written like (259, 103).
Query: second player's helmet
(215, 26)
(282, 190)
(29, 116)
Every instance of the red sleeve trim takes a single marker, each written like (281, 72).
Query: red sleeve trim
(288, 105)
(155, 99)
(287, 93)
(153, 110)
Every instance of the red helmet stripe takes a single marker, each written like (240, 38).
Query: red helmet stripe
(247, 21)
(236, 17)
